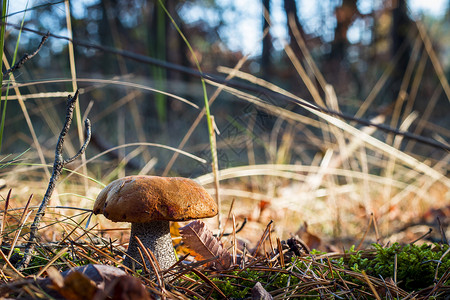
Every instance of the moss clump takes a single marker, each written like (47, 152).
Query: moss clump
(416, 265)
(311, 276)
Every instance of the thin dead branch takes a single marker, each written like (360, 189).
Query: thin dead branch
(58, 166)
(26, 57)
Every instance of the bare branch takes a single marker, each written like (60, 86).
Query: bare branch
(26, 57)
(58, 165)
(88, 133)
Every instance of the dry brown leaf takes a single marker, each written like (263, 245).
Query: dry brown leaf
(129, 288)
(75, 286)
(93, 282)
(198, 238)
(311, 240)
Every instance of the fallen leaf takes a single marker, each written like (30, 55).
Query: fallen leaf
(198, 238)
(311, 240)
(74, 286)
(94, 282)
(129, 288)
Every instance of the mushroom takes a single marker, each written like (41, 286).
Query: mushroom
(149, 203)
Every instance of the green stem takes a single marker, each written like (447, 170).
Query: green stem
(2, 45)
(205, 94)
(16, 50)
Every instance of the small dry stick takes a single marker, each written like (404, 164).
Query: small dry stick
(58, 165)
(26, 57)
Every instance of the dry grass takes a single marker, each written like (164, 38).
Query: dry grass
(358, 172)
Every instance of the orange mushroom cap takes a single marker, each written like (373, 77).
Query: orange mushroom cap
(142, 199)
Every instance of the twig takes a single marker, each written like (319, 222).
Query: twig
(26, 57)
(58, 165)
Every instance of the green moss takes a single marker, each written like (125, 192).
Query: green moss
(416, 265)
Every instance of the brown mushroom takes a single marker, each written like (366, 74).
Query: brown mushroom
(149, 203)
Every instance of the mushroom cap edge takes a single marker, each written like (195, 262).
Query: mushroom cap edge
(142, 199)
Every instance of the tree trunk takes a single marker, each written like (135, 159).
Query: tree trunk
(345, 14)
(399, 42)
(266, 42)
(290, 7)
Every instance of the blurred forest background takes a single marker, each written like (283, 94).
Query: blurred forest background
(382, 61)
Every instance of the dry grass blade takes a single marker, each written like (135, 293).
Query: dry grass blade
(215, 169)
(280, 253)
(8, 263)
(103, 254)
(198, 238)
(22, 221)
(298, 66)
(434, 58)
(28, 120)
(73, 74)
(439, 263)
(137, 145)
(234, 241)
(263, 238)
(107, 81)
(209, 282)
(372, 288)
(77, 226)
(144, 264)
(5, 211)
(53, 260)
(228, 218)
(38, 95)
(153, 262)
(201, 115)
(365, 233)
(292, 172)
(305, 51)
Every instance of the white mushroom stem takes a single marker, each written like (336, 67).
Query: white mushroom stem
(155, 236)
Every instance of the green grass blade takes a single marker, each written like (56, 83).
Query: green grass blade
(16, 50)
(2, 45)
(205, 94)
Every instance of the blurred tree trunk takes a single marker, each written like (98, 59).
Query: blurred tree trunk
(109, 9)
(266, 42)
(290, 7)
(165, 43)
(345, 15)
(401, 25)
(176, 49)
(158, 49)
